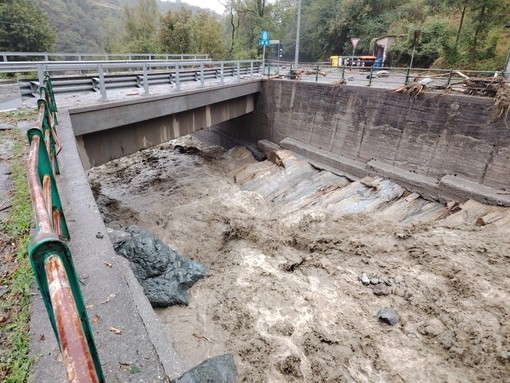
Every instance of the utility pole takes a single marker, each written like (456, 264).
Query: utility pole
(296, 57)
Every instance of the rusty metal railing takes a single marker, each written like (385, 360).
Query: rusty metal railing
(49, 255)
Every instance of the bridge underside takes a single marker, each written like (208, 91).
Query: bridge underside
(108, 131)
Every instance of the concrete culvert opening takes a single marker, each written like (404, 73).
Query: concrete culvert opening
(300, 261)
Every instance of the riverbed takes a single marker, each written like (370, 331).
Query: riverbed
(288, 248)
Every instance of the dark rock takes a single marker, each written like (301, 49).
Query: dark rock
(388, 315)
(256, 152)
(164, 275)
(381, 289)
(220, 369)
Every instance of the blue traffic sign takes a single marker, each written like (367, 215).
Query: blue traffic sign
(264, 35)
(264, 42)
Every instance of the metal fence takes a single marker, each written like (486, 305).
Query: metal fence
(388, 77)
(113, 75)
(46, 56)
(50, 257)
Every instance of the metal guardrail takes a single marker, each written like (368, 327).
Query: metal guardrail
(33, 66)
(46, 56)
(385, 77)
(49, 255)
(148, 74)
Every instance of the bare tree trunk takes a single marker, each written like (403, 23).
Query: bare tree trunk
(480, 20)
(464, 7)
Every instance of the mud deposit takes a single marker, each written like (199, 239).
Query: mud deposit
(283, 292)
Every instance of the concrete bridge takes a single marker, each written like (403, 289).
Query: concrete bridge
(113, 130)
(445, 147)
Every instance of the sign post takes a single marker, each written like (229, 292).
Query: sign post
(354, 42)
(264, 40)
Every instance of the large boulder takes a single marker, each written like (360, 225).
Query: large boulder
(164, 275)
(220, 369)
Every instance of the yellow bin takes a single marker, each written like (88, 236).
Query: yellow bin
(334, 60)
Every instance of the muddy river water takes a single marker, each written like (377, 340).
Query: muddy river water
(286, 246)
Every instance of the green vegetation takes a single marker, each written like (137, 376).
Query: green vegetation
(23, 28)
(16, 272)
(454, 33)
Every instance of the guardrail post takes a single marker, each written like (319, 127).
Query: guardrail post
(222, 73)
(46, 56)
(177, 77)
(102, 85)
(202, 75)
(251, 68)
(317, 73)
(40, 74)
(5, 57)
(145, 81)
(407, 74)
(238, 71)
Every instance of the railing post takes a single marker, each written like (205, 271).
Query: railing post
(238, 71)
(5, 57)
(251, 68)
(102, 85)
(343, 73)
(449, 78)
(370, 75)
(202, 75)
(177, 77)
(222, 73)
(317, 73)
(145, 81)
(407, 75)
(46, 56)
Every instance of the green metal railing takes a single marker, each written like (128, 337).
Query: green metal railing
(50, 257)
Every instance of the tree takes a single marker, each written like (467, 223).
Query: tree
(24, 28)
(141, 26)
(175, 32)
(206, 36)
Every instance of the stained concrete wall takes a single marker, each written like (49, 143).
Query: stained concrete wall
(108, 131)
(362, 129)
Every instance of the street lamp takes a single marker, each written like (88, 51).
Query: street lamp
(296, 57)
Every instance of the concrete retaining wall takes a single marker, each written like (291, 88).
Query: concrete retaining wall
(433, 135)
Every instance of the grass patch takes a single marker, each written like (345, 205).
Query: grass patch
(15, 362)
